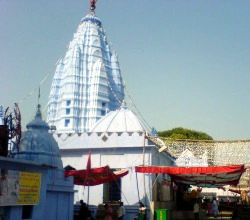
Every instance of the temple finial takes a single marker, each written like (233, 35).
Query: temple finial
(92, 5)
(39, 95)
(38, 113)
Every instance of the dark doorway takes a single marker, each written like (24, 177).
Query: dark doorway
(112, 191)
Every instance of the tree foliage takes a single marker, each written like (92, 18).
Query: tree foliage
(184, 133)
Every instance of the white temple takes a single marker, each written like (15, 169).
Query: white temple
(87, 82)
(117, 140)
(86, 104)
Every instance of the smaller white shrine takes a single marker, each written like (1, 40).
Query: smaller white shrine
(39, 146)
(187, 159)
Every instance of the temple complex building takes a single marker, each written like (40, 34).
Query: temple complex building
(87, 109)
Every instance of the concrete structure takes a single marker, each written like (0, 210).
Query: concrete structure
(15, 212)
(85, 105)
(87, 83)
(117, 140)
(217, 153)
(39, 190)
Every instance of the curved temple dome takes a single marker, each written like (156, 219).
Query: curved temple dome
(38, 145)
(87, 83)
(121, 120)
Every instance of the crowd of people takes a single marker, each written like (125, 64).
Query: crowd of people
(109, 213)
(212, 208)
(85, 213)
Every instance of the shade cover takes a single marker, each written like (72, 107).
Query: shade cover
(213, 176)
(95, 176)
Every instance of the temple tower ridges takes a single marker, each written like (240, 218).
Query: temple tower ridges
(87, 82)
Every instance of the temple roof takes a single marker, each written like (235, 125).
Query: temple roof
(37, 122)
(87, 81)
(121, 120)
(38, 145)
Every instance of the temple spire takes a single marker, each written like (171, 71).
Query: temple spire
(38, 113)
(92, 5)
(39, 95)
(87, 82)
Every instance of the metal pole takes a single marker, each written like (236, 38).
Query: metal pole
(88, 197)
(137, 187)
(143, 162)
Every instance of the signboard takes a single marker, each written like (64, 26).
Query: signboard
(19, 188)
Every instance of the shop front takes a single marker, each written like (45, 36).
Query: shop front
(179, 189)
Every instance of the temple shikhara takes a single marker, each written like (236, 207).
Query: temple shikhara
(95, 148)
(87, 83)
(88, 111)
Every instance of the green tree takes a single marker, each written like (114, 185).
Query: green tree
(184, 133)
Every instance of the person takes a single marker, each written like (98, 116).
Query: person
(215, 208)
(109, 212)
(142, 211)
(89, 214)
(209, 208)
(244, 197)
(83, 215)
(121, 211)
(196, 210)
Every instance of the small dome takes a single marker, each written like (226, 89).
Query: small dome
(38, 145)
(122, 120)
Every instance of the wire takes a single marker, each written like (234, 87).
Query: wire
(114, 94)
(135, 107)
(31, 93)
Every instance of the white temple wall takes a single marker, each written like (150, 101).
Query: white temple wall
(161, 158)
(117, 158)
(97, 140)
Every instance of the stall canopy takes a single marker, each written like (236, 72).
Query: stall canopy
(213, 176)
(94, 176)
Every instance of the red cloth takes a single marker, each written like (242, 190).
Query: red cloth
(201, 176)
(95, 176)
(190, 170)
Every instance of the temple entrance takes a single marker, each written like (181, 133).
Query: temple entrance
(112, 191)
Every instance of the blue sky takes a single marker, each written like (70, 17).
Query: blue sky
(185, 63)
